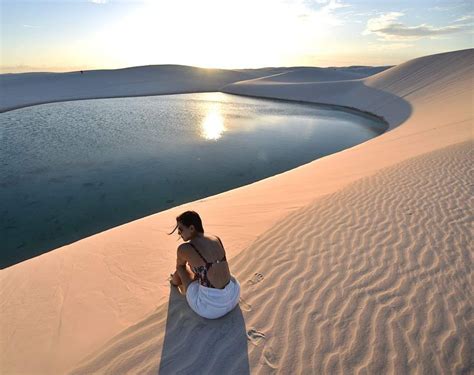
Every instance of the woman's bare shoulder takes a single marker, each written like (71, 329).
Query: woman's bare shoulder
(215, 238)
(220, 242)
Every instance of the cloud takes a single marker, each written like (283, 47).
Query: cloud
(98, 1)
(323, 6)
(388, 28)
(333, 5)
(416, 32)
(464, 19)
(30, 26)
(381, 21)
(326, 12)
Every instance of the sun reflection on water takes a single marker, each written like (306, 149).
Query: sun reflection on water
(212, 126)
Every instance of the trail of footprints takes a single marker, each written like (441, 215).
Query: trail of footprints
(269, 356)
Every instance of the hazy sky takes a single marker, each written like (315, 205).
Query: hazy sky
(69, 35)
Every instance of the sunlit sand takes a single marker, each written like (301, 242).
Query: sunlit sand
(359, 261)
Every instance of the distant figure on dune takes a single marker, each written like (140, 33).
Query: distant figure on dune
(211, 290)
(82, 72)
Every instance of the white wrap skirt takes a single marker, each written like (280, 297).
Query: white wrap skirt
(212, 303)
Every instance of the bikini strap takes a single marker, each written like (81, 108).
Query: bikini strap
(204, 259)
(208, 264)
(223, 259)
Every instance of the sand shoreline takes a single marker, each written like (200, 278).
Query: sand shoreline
(353, 110)
(21, 90)
(5, 110)
(325, 105)
(30, 243)
(427, 102)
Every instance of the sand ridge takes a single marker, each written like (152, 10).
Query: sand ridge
(352, 283)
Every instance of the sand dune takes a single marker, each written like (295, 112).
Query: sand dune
(308, 75)
(351, 283)
(389, 94)
(359, 260)
(27, 89)
(22, 90)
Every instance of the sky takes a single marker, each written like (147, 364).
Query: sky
(71, 35)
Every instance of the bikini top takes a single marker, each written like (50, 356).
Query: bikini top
(201, 271)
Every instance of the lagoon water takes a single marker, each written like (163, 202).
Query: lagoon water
(73, 169)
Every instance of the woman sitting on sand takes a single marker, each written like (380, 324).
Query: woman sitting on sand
(211, 290)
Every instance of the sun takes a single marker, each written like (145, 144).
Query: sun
(206, 33)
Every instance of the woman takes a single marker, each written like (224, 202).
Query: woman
(211, 290)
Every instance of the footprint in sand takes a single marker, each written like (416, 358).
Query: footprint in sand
(270, 357)
(244, 305)
(256, 278)
(315, 315)
(255, 337)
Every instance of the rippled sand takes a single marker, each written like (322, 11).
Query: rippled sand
(359, 262)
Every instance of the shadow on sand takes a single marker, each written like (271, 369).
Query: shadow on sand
(193, 344)
(174, 340)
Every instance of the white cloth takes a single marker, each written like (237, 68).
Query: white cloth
(213, 303)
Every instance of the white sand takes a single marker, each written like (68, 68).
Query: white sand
(357, 261)
(26, 89)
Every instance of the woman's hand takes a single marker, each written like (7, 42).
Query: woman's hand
(175, 279)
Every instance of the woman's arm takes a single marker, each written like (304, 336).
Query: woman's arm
(180, 264)
(181, 259)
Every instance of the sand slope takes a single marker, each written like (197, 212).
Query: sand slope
(390, 94)
(315, 75)
(27, 89)
(375, 278)
(66, 304)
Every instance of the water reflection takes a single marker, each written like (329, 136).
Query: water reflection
(118, 160)
(212, 126)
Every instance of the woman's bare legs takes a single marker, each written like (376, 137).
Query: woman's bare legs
(183, 277)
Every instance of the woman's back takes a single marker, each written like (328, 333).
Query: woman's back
(208, 261)
(211, 291)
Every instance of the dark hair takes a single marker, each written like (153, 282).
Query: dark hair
(189, 218)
